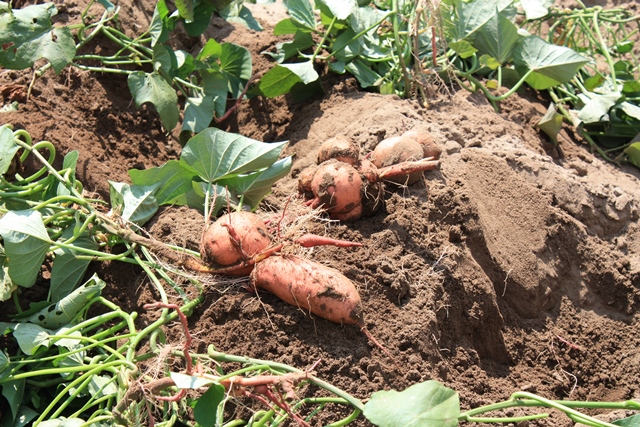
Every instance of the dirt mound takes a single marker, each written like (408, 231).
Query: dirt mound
(515, 266)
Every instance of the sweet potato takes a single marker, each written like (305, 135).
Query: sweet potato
(321, 290)
(336, 186)
(426, 141)
(233, 239)
(340, 148)
(314, 287)
(395, 150)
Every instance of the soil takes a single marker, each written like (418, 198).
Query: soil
(515, 266)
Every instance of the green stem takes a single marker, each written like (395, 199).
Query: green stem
(324, 38)
(222, 357)
(604, 48)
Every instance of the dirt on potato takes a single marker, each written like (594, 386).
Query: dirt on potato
(515, 266)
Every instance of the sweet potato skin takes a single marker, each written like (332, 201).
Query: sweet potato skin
(395, 150)
(337, 188)
(219, 248)
(340, 148)
(314, 287)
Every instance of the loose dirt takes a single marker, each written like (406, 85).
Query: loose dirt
(515, 266)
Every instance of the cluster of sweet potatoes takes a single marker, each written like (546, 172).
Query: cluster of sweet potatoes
(348, 186)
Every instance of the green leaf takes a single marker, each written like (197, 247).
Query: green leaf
(597, 108)
(551, 65)
(101, 385)
(341, 9)
(288, 26)
(6, 284)
(153, 88)
(136, 203)
(68, 270)
(205, 412)
(535, 9)
(632, 421)
(214, 154)
(301, 41)
(190, 382)
(174, 177)
(630, 109)
(61, 313)
(238, 13)
(421, 405)
(551, 123)
(25, 415)
(235, 64)
(301, 12)
(463, 48)
(255, 186)
(201, 19)
(185, 9)
(280, 79)
(161, 23)
(475, 14)
(497, 38)
(8, 148)
(26, 243)
(26, 35)
(30, 337)
(164, 59)
(363, 73)
(199, 111)
(13, 391)
(633, 154)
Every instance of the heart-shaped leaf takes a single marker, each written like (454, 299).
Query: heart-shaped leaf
(428, 404)
(153, 88)
(549, 65)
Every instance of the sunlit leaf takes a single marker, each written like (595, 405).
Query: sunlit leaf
(474, 14)
(551, 65)
(551, 123)
(597, 108)
(8, 148)
(184, 381)
(174, 177)
(214, 154)
(301, 11)
(633, 153)
(27, 36)
(341, 9)
(135, 203)
(26, 244)
(30, 337)
(421, 405)
(61, 313)
(535, 9)
(255, 186)
(632, 421)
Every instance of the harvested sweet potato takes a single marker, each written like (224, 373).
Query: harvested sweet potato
(336, 186)
(395, 150)
(233, 239)
(340, 148)
(426, 140)
(321, 290)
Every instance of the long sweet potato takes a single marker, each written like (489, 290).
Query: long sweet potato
(321, 290)
(314, 287)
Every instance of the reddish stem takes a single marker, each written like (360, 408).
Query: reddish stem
(185, 326)
(311, 240)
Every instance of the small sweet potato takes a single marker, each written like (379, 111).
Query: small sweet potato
(340, 148)
(232, 239)
(336, 187)
(395, 150)
(314, 287)
(426, 140)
